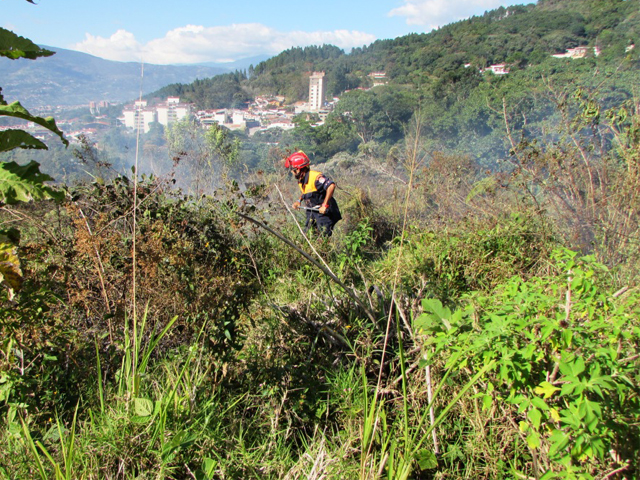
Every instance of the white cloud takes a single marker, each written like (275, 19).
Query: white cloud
(195, 43)
(436, 13)
(121, 46)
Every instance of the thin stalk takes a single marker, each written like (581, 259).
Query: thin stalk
(403, 372)
(453, 402)
(432, 416)
(100, 270)
(412, 170)
(99, 372)
(135, 205)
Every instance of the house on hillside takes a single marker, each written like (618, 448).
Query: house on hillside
(378, 78)
(578, 52)
(498, 69)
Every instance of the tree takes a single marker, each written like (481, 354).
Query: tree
(204, 156)
(376, 114)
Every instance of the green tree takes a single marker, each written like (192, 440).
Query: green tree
(376, 114)
(202, 157)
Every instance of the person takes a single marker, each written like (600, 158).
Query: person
(316, 190)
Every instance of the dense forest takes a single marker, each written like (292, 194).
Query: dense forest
(476, 313)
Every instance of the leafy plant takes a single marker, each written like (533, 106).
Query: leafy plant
(20, 183)
(566, 362)
(354, 244)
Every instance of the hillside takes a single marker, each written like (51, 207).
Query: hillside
(521, 35)
(475, 313)
(74, 78)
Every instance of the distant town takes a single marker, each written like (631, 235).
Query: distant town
(265, 112)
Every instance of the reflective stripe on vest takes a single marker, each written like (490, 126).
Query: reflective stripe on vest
(310, 186)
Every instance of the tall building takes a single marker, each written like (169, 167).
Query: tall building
(316, 91)
(172, 110)
(139, 116)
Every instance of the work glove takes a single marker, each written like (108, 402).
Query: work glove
(296, 205)
(323, 209)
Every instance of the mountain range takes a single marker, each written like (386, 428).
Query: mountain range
(71, 78)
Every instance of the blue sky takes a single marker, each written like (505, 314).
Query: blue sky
(195, 31)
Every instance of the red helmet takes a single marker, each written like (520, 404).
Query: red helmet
(297, 160)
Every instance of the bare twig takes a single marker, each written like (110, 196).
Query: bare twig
(432, 417)
(615, 472)
(21, 215)
(100, 269)
(567, 306)
(620, 292)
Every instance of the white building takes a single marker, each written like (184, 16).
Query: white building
(139, 116)
(316, 91)
(378, 78)
(237, 117)
(498, 69)
(578, 52)
(172, 110)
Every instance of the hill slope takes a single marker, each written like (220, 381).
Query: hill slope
(521, 35)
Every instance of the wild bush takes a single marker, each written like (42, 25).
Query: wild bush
(566, 374)
(474, 256)
(80, 280)
(584, 179)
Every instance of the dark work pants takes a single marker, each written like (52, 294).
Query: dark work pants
(322, 224)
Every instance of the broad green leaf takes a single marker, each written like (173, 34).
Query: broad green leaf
(529, 351)
(539, 403)
(209, 466)
(434, 310)
(533, 440)
(578, 366)
(23, 183)
(10, 271)
(10, 139)
(546, 389)
(143, 407)
(18, 111)
(559, 441)
(598, 447)
(179, 441)
(14, 46)
(140, 419)
(487, 400)
(570, 386)
(426, 459)
(535, 416)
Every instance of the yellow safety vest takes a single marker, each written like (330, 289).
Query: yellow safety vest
(310, 186)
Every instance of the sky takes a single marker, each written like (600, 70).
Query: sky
(199, 31)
